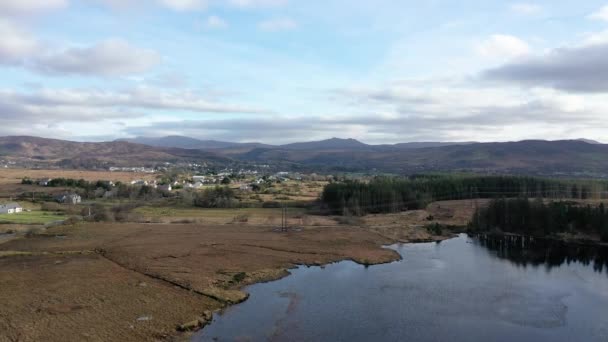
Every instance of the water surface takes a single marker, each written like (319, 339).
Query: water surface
(462, 289)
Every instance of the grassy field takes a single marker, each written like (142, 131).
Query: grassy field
(31, 217)
(202, 212)
(14, 176)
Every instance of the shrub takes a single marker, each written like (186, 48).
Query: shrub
(218, 197)
(349, 220)
(241, 218)
(434, 229)
(271, 204)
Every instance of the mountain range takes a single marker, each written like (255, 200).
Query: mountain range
(562, 157)
(328, 144)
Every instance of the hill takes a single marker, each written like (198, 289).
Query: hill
(329, 144)
(189, 143)
(40, 151)
(532, 157)
(566, 157)
(334, 144)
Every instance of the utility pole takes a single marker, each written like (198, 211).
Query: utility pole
(284, 218)
(471, 197)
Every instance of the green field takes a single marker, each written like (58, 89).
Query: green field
(31, 217)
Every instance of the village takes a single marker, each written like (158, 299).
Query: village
(50, 196)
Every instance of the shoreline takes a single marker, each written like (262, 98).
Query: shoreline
(191, 270)
(436, 239)
(187, 335)
(571, 240)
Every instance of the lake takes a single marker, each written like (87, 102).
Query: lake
(463, 289)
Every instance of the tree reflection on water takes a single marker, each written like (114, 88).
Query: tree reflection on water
(526, 250)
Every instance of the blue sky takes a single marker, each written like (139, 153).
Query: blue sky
(278, 71)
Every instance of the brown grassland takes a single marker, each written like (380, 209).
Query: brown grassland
(134, 281)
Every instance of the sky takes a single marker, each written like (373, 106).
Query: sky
(280, 71)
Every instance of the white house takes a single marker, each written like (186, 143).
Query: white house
(10, 208)
(196, 185)
(165, 187)
(69, 199)
(44, 181)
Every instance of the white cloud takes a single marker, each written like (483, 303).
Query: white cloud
(185, 5)
(15, 44)
(501, 45)
(193, 5)
(93, 110)
(526, 8)
(128, 99)
(257, 3)
(122, 4)
(596, 38)
(113, 57)
(601, 14)
(278, 24)
(26, 7)
(215, 22)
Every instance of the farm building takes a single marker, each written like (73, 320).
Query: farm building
(10, 208)
(69, 199)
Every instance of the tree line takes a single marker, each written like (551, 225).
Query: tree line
(392, 194)
(99, 189)
(72, 183)
(537, 218)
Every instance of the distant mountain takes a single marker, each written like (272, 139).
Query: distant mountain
(329, 144)
(414, 145)
(333, 144)
(531, 157)
(589, 141)
(566, 157)
(188, 143)
(86, 154)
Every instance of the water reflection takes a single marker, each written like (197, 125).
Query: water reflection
(463, 289)
(525, 250)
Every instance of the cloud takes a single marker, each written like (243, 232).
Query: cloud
(257, 3)
(15, 44)
(28, 7)
(596, 38)
(577, 69)
(502, 45)
(526, 8)
(601, 14)
(100, 110)
(128, 99)
(278, 24)
(48, 107)
(194, 5)
(185, 5)
(112, 57)
(215, 22)
(408, 112)
(389, 113)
